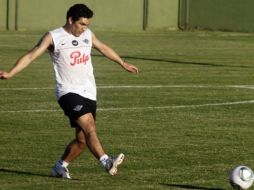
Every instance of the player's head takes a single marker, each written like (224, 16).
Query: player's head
(78, 11)
(78, 19)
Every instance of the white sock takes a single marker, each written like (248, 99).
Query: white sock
(63, 163)
(104, 159)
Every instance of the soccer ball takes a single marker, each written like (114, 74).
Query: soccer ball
(241, 177)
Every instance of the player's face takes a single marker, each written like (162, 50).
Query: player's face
(80, 26)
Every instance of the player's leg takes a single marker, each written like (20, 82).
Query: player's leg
(72, 151)
(87, 123)
(75, 147)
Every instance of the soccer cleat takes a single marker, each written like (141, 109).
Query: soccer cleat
(113, 162)
(59, 171)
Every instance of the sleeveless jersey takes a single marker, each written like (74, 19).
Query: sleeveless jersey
(72, 63)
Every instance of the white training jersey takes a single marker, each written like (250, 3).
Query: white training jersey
(71, 58)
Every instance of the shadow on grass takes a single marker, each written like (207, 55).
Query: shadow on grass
(177, 61)
(2, 170)
(190, 187)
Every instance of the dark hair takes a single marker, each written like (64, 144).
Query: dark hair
(79, 10)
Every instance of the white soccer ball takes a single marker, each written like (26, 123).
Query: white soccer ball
(241, 177)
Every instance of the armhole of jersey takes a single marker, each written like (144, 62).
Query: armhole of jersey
(52, 47)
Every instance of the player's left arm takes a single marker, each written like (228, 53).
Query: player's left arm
(111, 54)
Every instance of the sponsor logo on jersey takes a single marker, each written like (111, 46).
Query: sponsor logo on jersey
(86, 41)
(74, 42)
(78, 58)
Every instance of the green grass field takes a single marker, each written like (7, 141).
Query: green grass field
(183, 122)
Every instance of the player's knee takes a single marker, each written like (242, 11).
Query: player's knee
(89, 128)
(90, 131)
(81, 144)
(87, 124)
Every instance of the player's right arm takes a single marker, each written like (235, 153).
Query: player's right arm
(45, 42)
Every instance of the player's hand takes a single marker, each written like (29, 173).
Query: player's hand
(130, 68)
(4, 75)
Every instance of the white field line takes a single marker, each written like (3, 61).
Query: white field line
(141, 108)
(143, 86)
(144, 108)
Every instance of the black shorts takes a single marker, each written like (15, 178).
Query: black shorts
(74, 106)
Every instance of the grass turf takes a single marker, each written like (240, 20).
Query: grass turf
(183, 122)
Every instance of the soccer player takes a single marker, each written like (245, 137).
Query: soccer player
(70, 50)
